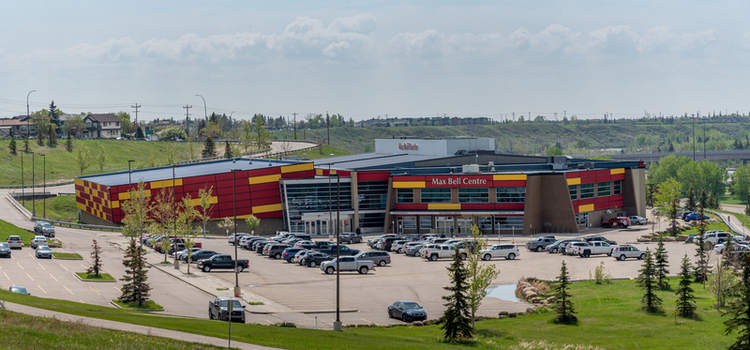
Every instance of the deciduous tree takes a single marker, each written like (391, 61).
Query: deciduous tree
(205, 201)
(252, 222)
(668, 197)
(481, 275)
(82, 160)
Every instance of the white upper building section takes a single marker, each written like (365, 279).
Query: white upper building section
(434, 147)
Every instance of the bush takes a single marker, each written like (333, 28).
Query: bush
(600, 275)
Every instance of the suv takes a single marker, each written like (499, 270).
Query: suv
(559, 245)
(572, 248)
(38, 241)
(713, 237)
(540, 243)
(350, 237)
(274, 250)
(312, 258)
(218, 309)
(594, 248)
(622, 252)
(379, 258)
(599, 239)
(507, 251)
(372, 241)
(441, 251)
(44, 228)
(15, 242)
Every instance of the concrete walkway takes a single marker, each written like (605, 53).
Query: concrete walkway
(128, 327)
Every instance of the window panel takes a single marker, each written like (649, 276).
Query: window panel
(405, 195)
(573, 189)
(617, 187)
(473, 195)
(511, 194)
(436, 195)
(604, 189)
(587, 190)
(508, 223)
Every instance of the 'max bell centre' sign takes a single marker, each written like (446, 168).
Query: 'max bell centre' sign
(457, 180)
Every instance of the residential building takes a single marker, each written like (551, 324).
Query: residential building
(102, 126)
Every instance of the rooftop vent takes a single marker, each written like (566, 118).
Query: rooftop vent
(470, 168)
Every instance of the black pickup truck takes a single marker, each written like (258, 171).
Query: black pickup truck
(222, 261)
(331, 250)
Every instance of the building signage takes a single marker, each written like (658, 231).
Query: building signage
(408, 146)
(458, 180)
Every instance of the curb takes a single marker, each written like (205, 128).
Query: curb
(94, 281)
(56, 258)
(140, 310)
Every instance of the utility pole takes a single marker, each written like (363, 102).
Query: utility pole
(187, 118)
(328, 127)
(295, 125)
(693, 139)
(337, 323)
(136, 106)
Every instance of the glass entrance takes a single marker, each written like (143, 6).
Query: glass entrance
(463, 226)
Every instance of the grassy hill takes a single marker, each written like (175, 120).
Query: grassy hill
(579, 137)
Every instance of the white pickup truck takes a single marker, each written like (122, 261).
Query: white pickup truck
(348, 263)
(594, 248)
(440, 252)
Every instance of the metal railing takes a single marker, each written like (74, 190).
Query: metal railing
(78, 225)
(729, 223)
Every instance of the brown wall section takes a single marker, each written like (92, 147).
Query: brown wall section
(539, 214)
(634, 192)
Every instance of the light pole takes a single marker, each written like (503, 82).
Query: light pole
(337, 323)
(234, 207)
(330, 201)
(130, 184)
(28, 115)
(33, 189)
(205, 113)
(44, 184)
(23, 194)
(174, 218)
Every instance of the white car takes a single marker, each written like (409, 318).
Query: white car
(638, 220)
(719, 248)
(506, 251)
(713, 237)
(572, 247)
(427, 246)
(15, 241)
(38, 241)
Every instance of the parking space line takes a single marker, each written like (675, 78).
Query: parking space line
(19, 265)
(40, 287)
(27, 274)
(94, 290)
(6, 276)
(53, 276)
(42, 266)
(69, 291)
(64, 268)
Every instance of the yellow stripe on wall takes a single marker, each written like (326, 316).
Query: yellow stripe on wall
(81, 206)
(319, 172)
(114, 204)
(585, 208)
(409, 184)
(126, 195)
(511, 177)
(165, 183)
(259, 209)
(78, 181)
(264, 179)
(296, 167)
(617, 171)
(197, 201)
(444, 206)
(574, 181)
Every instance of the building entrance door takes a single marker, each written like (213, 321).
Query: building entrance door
(463, 226)
(444, 224)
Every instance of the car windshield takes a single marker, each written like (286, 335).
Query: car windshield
(411, 305)
(3, 245)
(235, 304)
(18, 290)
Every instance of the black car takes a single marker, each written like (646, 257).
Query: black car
(350, 237)
(218, 309)
(258, 246)
(289, 253)
(202, 254)
(406, 311)
(344, 250)
(314, 258)
(599, 239)
(249, 242)
(4, 250)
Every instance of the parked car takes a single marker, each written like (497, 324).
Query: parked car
(558, 245)
(425, 247)
(347, 263)
(738, 249)
(183, 254)
(236, 238)
(594, 248)
(289, 253)
(638, 220)
(245, 239)
(314, 258)
(43, 252)
(322, 244)
(15, 242)
(714, 236)
(37, 241)
(599, 239)
(406, 311)
(464, 247)
(377, 257)
(300, 254)
(18, 290)
(257, 246)
(506, 251)
(371, 242)
(331, 250)
(537, 245)
(4, 250)
(622, 252)
(274, 251)
(572, 248)
(440, 251)
(44, 228)
(218, 309)
(222, 261)
(398, 246)
(201, 254)
(350, 237)
(695, 216)
(620, 221)
(412, 248)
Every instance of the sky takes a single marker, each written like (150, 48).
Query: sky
(363, 59)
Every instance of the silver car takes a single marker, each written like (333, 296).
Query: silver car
(15, 242)
(43, 252)
(622, 252)
(38, 241)
(506, 251)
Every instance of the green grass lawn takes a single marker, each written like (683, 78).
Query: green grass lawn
(150, 305)
(68, 256)
(744, 219)
(61, 208)
(714, 225)
(8, 229)
(728, 199)
(62, 165)
(91, 277)
(29, 332)
(610, 317)
(315, 153)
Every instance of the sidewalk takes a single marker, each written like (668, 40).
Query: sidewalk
(128, 327)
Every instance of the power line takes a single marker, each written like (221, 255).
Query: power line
(187, 118)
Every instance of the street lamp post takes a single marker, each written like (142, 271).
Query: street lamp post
(234, 208)
(33, 189)
(23, 191)
(337, 323)
(330, 201)
(205, 111)
(130, 184)
(44, 184)
(28, 115)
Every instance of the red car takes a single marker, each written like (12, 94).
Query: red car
(620, 221)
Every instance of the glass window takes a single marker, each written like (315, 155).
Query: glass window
(573, 189)
(473, 195)
(425, 222)
(617, 187)
(511, 194)
(604, 189)
(436, 195)
(405, 195)
(372, 195)
(587, 190)
(582, 218)
(508, 223)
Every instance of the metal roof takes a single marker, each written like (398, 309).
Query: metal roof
(187, 170)
(372, 160)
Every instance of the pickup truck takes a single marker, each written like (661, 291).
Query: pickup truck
(619, 221)
(540, 243)
(594, 248)
(441, 251)
(348, 263)
(345, 251)
(222, 261)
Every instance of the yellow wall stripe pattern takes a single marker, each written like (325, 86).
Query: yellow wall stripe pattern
(165, 183)
(296, 167)
(264, 179)
(259, 209)
(574, 181)
(511, 177)
(197, 201)
(585, 208)
(126, 195)
(617, 171)
(444, 206)
(409, 184)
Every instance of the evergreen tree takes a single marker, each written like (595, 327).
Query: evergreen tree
(26, 144)
(12, 146)
(69, 144)
(661, 261)
(563, 305)
(96, 263)
(739, 310)
(138, 133)
(457, 316)
(208, 148)
(227, 150)
(701, 264)
(135, 290)
(52, 136)
(691, 199)
(685, 298)
(647, 279)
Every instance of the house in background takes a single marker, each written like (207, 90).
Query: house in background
(16, 126)
(102, 126)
